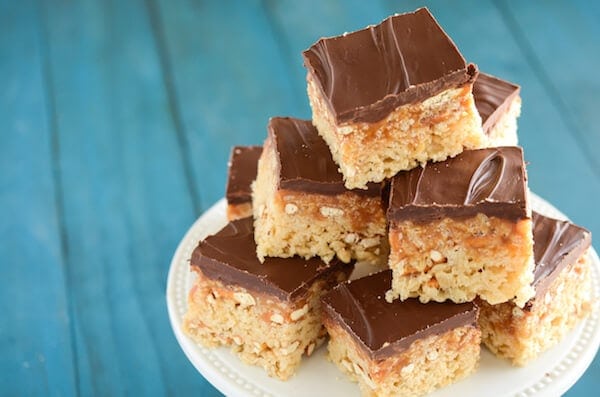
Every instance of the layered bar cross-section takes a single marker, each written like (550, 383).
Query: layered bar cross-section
(401, 348)
(392, 96)
(269, 313)
(462, 228)
(563, 295)
(301, 206)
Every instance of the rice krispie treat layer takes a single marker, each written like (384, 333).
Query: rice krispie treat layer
(462, 228)
(563, 295)
(459, 260)
(436, 128)
(520, 335)
(269, 313)
(401, 348)
(425, 366)
(260, 329)
(301, 206)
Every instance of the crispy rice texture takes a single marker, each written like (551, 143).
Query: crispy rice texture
(460, 259)
(261, 329)
(520, 335)
(288, 223)
(439, 127)
(428, 364)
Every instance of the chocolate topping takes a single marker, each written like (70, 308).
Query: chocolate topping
(366, 74)
(493, 97)
(383, 329)
(242, 172)
(556, 244)
(305, 160)
(489, 181)
(230, 257)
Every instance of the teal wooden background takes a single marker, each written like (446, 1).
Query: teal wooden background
(116, 120)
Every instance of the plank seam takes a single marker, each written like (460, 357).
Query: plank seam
(174, 108)
(52, 119)
(553, 92)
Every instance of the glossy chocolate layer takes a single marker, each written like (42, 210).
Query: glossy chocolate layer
(366, 74)
(242, 172)
(305, 160)
(383, 329)
(556, 244)
(489, 181)
(230, 257)
(493, 97)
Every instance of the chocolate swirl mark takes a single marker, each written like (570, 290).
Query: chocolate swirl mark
(488, 98)
(354, 306)
(550, 252)
(418, 186)
(486, 179)
(492, 97)
(330, 72)
(553, 244)
(395, 64)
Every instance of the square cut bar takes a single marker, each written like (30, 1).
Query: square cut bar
(241, 173)
(392, 96)
(269, 313)
(499, 105)
(563, 295)
(301, 206)
(462, 228)
(401, 348)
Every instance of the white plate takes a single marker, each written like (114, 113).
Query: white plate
(553, 373)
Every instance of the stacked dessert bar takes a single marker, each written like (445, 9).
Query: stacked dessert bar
(409, 164)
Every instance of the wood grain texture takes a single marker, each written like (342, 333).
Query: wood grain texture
(126, 199)
(35, 337)
(565, 57)
(229, 76)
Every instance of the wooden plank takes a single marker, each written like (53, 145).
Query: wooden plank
(126, 199)
(229, 77)
(35, 339)
(562, 45)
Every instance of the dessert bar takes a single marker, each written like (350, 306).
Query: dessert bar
(241, 173)
(301, 206)
(401, 348)
(392, 96)
(461, 228)
(563, 295)
(499, 105)
(269, 313)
